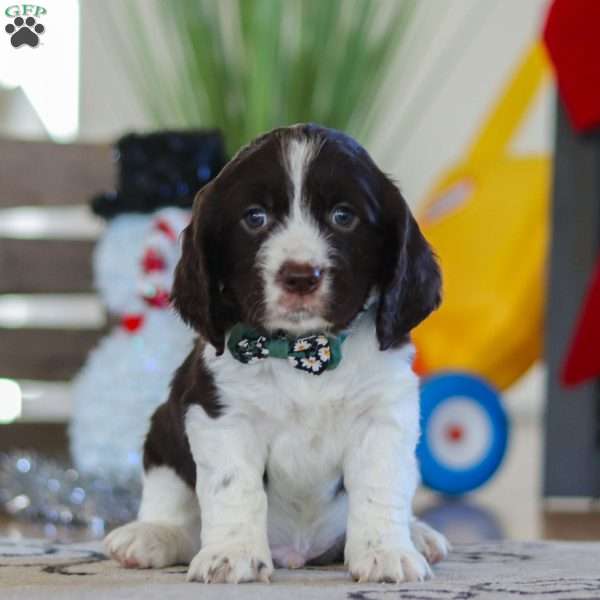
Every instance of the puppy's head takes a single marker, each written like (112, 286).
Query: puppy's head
(296, 233)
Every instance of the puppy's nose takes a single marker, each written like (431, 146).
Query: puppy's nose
(299, 278)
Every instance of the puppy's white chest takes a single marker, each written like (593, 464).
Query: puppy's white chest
(305, 456)
(306, 430)
(306, 502)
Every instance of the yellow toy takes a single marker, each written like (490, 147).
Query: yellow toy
(487, 220)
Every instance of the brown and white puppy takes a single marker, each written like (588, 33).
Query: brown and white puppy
(247, 465)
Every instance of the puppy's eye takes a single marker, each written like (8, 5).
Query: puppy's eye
(343, 217)
(255, 219)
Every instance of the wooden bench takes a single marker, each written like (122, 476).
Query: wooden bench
(45, 258)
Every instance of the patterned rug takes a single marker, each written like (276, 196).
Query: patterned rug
(32, 569)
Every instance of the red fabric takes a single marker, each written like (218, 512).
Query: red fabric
(131, 323)
(152, 261)
(159, 299)
(572, 37)
(165, 227)
(583, 358)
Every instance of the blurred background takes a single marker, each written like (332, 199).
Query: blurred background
(456, 100)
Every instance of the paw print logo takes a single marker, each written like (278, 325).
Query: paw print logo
(24, 31)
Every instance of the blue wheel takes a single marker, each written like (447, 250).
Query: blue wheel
(464, 432)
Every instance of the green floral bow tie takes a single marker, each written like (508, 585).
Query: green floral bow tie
(310, 353)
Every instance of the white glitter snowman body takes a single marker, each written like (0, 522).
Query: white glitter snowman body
(128, 374)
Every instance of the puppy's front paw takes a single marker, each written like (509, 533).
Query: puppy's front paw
(145, 545)
(388, 565)
(430, 543)
(231, 563)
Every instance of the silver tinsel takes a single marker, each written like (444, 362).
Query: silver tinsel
(35, 488)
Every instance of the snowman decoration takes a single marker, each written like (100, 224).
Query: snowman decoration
(128, 374)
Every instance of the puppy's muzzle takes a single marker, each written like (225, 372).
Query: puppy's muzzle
(301, 279)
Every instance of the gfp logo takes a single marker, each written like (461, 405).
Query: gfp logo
(24, 29)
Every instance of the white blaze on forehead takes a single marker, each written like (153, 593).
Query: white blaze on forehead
(299, 238)
(297, 156)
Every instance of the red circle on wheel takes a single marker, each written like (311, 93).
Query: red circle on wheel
(455, 433)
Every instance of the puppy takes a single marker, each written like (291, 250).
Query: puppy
(289, 435)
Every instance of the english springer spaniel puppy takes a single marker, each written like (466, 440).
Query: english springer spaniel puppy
(289, 434)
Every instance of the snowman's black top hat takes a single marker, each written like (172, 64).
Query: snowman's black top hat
(159, 169)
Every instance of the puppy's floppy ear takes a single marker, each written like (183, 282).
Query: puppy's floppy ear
(411, 281)
(196, 293)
